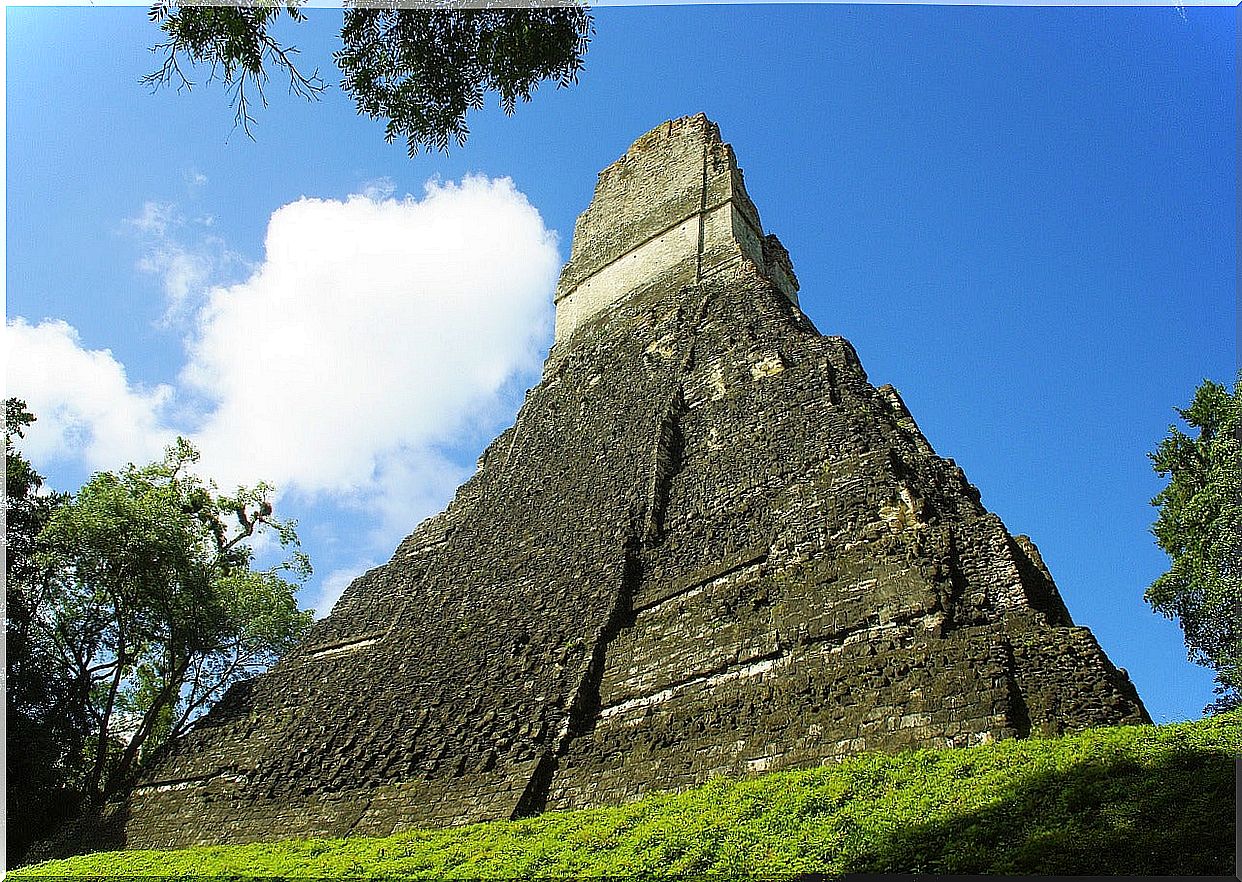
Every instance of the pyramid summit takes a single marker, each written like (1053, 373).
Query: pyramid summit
(708, 545)
(670, 212)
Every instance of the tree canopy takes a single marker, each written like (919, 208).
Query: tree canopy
(46, 706)
(422, 69)
(132, 606)
(1200, 528)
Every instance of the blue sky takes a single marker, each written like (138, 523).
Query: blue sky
(1024, 219)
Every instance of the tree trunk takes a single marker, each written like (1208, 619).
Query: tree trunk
(94, 792)
(121, 775)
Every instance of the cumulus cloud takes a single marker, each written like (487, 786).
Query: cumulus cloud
(344, 369)
(85, 405)
(374, 331)
(410, 484)
(329, 590)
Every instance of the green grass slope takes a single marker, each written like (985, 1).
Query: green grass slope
(1135, 800)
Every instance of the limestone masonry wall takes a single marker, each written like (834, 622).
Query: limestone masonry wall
(670, 211)
(707, 545)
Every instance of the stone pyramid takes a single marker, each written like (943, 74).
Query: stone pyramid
(708, 545)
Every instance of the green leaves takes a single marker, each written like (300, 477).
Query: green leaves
(46, 704)
(132, 607)
(234, 42)
(1200, 528)
(153, 603)
(422, 69)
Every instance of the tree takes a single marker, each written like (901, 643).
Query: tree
(422, 69)
(46, 716)
(1200, 528)
(151, 604)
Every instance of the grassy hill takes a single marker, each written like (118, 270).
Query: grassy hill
(1134, 800)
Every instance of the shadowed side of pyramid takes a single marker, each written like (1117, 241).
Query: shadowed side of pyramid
(708, 545)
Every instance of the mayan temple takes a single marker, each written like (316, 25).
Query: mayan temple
(706, 546)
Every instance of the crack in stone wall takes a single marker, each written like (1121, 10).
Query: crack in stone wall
(585, 706)
(886, 590)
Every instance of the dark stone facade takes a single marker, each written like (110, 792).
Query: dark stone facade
(708, 545)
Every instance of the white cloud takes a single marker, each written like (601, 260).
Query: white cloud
(408, 486)
(379, 188)
(374, 331)
(329, 590)
(185, 260)
(181, 273)
(155, 219)
(84, 403)
(373, 336)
